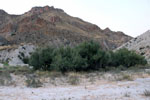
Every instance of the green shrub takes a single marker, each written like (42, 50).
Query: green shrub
(100, 59)
(85, 57)
(42, 58)
(127, 58)
(67, 59)
(63, 59)
(91, 53)
(25, 60)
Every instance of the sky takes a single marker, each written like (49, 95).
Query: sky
(129, 16)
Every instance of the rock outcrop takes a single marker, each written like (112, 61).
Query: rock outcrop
(140, 44)
(14, 55)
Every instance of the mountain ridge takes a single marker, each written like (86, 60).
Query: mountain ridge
(53, 26)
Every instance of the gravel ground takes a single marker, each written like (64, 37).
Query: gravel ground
(115, 90)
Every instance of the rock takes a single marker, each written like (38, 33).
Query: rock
(20, 65)
(14, 56)
(1, 65)
(52, 26)
(2, 12)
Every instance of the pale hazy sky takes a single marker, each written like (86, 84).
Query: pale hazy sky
(130, 16)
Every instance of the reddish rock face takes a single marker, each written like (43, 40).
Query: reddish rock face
(29, 23)
(54, 19)
(49, 25)
(41, 22)
(26, 20)
(40, 10)
(46, 8)
(6, 28)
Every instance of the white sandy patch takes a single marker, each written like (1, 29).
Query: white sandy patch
(109, 91)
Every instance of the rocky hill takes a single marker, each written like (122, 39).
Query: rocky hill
(52, 26)
(140, 44)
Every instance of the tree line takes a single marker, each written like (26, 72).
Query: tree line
(86, 56)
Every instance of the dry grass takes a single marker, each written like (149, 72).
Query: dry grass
(33, 83)
(52, 74)
(127, 94)
(55, 78)
(5, 79)
(74, 79)
(147, 93)
(127, 77)
(147, 71)
(7, 47)
(123, 77)
(17, 70)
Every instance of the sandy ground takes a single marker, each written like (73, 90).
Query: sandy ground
(118, 90)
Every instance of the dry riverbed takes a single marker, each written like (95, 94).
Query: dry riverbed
(127, 85)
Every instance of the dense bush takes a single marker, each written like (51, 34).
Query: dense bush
(84, 57)
(67, 59)
(42, 58)
(127, 58)
(92, 54)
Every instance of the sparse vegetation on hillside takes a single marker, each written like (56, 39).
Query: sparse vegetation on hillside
(85, 57)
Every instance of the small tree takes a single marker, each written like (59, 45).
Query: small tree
(67, 59)
(100, 59)
(42, 58)
(88, 52)
(128, 58)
